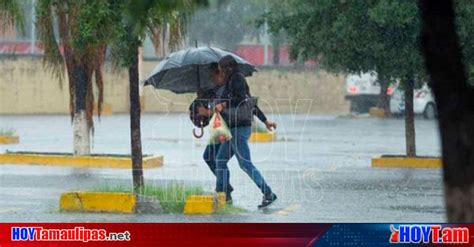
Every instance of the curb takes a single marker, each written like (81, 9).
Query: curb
(130, 203)
(262, 137)
(77, 161)
(9, 139)
(204, 204)
(98, 202)
(405, 162)
(377, 112)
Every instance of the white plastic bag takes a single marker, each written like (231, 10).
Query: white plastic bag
(219, 132)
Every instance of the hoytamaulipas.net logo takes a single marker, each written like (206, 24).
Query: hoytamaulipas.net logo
(434, 234)
(75, 234)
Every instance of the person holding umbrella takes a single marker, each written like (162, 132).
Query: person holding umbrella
(210, 153)
(230, 95)
(185, 71)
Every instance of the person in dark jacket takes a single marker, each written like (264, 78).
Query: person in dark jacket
(236, 90)
(210, 153)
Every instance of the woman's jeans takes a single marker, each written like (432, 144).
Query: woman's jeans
(239, 146)
(209, 156)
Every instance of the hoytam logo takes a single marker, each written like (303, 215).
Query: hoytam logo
(75, 234)
(435, 234)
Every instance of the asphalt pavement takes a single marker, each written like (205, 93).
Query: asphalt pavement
(319, 167)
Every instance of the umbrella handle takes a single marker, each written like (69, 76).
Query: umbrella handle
(200, 135)
(202, 131)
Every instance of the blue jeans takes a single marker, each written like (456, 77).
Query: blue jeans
(209, 156)
(239, 146)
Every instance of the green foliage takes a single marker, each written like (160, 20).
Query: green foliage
(465, 28)
(95, 23)
(360, 36)
(53, 59)
(11, 14)
(226, 23)
(7, 132)
(140, 17)
(172, 197)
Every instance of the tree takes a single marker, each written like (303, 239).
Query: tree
(84, 28)
(358, 37)
(443, 50)
(277, 40)
(168, 31)
(11, 14)
(225, 23)
(139, 17)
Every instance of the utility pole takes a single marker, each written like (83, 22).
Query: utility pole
(33, 27)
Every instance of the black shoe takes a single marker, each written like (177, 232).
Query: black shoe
(228, 199)
(267, 201)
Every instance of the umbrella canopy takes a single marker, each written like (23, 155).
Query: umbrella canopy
(188, 70)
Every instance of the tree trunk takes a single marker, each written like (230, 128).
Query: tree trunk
(135, 132)
(409, 119)
(454, 100)
(276, 54)
(81, 130)
(276, 44)
(384, 99)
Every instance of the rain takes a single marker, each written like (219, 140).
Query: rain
(337, 86)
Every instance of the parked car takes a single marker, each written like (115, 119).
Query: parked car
(423, 102)
(363, 91)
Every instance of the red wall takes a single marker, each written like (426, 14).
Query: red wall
(252, 53)
(255, 54)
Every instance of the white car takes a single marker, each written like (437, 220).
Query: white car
(362, 90)
(423, 102)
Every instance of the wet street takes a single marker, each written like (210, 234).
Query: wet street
(319, 167)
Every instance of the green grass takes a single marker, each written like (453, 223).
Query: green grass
(172, 197)
(7, 132)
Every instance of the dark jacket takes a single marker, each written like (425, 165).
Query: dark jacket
(236, 91)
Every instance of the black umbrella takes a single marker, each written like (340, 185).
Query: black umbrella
(188, 70)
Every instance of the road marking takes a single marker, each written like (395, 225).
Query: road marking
(289, 209)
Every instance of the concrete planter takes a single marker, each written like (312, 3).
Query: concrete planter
(108, 202)
(392, 161)
(377, 112)
(262, 137)
(205, 204)
(9, 139)
(130, 203)
(69, 160)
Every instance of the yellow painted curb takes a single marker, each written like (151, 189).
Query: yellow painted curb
(9, 139)
(405, 162)
(98, 202)
(376, 112)
(200, 204)
(262, 137)
(78, 161)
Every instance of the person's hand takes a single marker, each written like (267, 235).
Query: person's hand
(270, 125)
(219, 107)
(203, 111)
